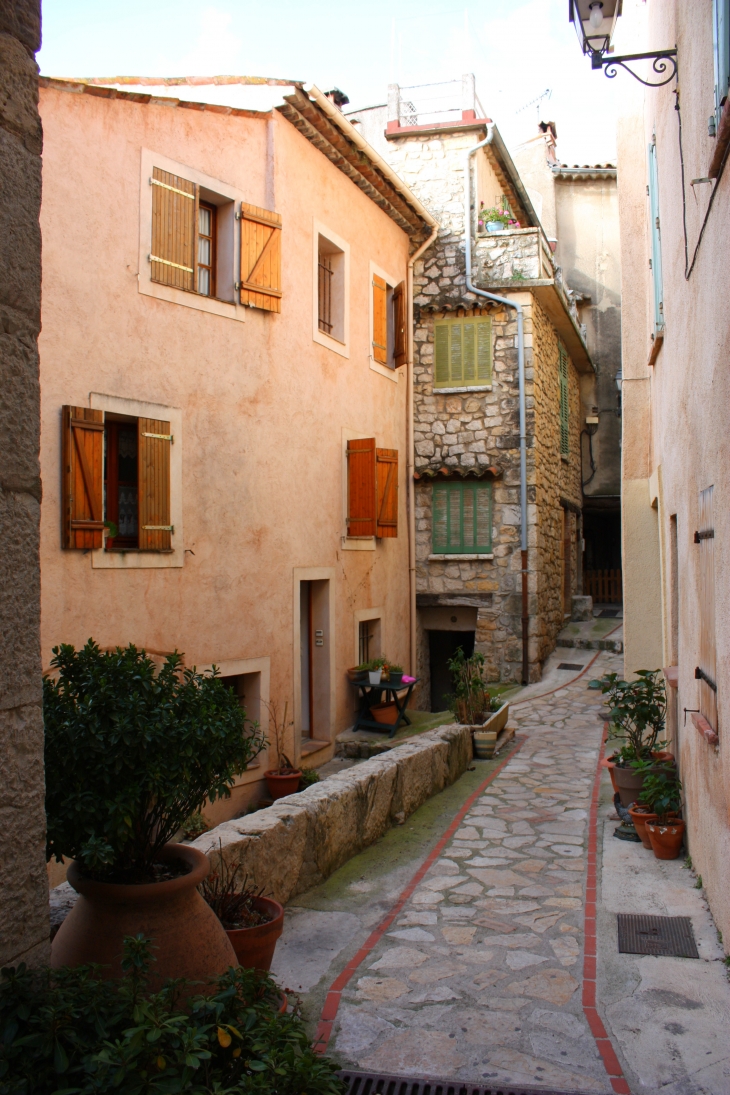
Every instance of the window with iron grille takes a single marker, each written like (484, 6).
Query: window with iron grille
(331, 294)
(325, 292)
(462, 518)
(564, 402)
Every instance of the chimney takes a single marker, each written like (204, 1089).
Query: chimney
(337, 97)
(550, 132)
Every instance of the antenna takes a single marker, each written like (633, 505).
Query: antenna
(536, 102)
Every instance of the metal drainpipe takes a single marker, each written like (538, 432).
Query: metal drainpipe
(411, 462)
(521, 376)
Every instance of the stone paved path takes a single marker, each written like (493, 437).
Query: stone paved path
(479, 977)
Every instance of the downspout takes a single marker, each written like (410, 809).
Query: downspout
(411, 461)
(521, 376)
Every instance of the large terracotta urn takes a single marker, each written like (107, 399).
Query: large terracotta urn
(188, 939)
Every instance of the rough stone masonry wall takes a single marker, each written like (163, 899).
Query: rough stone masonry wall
(23, 882)
(557, 481)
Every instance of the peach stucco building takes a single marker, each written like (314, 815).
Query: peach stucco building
(224, 310)
(674, 202)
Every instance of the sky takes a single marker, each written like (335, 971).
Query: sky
(519, 50)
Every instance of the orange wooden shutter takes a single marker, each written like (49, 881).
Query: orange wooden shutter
(83, 477)
(380, 320)
(400, 351)
(154, 485)
(260, 258)
(386, 462)
(174, 230)
(361, 499)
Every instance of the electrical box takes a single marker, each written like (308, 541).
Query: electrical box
(592, 420)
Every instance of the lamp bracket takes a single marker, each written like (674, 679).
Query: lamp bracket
(663, 59)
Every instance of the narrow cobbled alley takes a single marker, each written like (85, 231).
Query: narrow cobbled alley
(464, 945)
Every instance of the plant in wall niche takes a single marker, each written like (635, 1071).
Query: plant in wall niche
(131, 752)
(68, 1030)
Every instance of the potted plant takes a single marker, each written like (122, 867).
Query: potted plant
(131, 751)
(395, 674)
(473, 704)
(637, 716)
(284, 779)
(662, 793)
(495, 219)
(252, 922)
(640, 815)
(374, 670)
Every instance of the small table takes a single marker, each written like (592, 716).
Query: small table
(372, 693)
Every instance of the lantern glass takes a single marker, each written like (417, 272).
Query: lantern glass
(594, 37)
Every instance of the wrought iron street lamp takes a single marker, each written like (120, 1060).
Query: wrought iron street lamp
(595, 22)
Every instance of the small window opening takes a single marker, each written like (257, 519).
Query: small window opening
(206, 249)
(331, 289)
(325, 293)
(121, 484)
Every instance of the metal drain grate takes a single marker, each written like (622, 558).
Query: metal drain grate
(376, 1083)
(609, 613)
(570, 665)
(668, 935)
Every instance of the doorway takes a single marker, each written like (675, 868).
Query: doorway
(314, 643)
(442, 647)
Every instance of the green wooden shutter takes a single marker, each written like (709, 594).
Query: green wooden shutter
(656, 240)
(462, 518)
(463, 352)
(721, 44)
(564, 403)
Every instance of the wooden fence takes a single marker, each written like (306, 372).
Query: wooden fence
(604, 586)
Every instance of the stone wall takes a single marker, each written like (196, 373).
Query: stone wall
(300, 840)
(23, 881)
(512, 255)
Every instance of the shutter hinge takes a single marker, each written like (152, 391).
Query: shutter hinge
(158, 528)
(706, 534)
(161, 436)
(238, 215)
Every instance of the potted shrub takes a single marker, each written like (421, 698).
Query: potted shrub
(252, 922)
(395, 675)
(662, 793)
(496, 220)
(284, 779)
(637, 716)
(473, 704)
(68, 1030)
(131, 752)
(640, 815)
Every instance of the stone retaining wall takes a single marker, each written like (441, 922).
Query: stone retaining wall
(299, 841)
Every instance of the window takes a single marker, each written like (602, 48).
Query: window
(368, 640)
(116, 476)
(462, 518)
(389, 345)
(206, 249)
(463, 352)
(372, 490)
(721, 44)
(331, 290)
(656, 240)
(564, 401)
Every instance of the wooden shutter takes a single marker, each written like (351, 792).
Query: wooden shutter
(706, 671)
(386, 468)
(83, 477)
(154, 485)
(260, 258)
(174, 230)
(463, 352)
(461, 521)
(361, 489)
(380, 320)
(656, 240)
(564, 402)
(400, 348)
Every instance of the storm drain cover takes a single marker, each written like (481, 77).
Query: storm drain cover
(668, 935)
(608, 612)
(378, 1083)
(570, 665)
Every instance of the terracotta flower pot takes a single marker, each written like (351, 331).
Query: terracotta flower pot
(281, 786)
(640, 815)
(666, 840)
(663, 757)
(254, 947)
(628, 783)
(610, 763)
(187, 937)
(387, 712)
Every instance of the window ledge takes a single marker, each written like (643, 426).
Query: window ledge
(358, 543)
(384, 370)
(460, 558)
(671, 675)
(453, 391)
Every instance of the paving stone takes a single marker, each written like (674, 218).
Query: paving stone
(399, 958)
(409, 1052)
(518, 960)
(417, 935)
(554, 985)
(381, 988)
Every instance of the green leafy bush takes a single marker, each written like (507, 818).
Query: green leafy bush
(662, 792)
(67, 1032)
(309, 776)
(637, 713)
(472, 703)
(132, 752)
